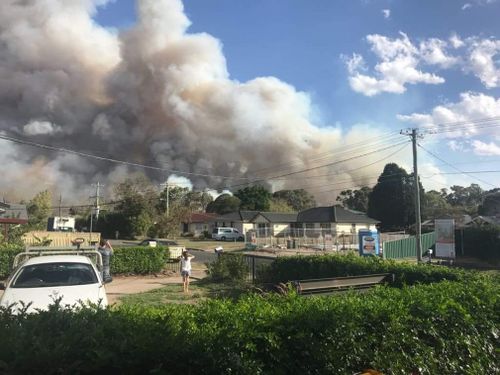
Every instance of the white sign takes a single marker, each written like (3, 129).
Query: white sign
(445, 238)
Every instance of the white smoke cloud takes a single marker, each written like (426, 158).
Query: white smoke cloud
(153, 94)
(40, 127)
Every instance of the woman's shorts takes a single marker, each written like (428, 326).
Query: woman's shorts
(185, 273)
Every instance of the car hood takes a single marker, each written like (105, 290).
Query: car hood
(41, 298)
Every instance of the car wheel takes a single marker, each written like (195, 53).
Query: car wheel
(223, 238)
(241, 238)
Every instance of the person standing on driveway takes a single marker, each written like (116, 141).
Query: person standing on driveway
(106, 251)
(186, 269)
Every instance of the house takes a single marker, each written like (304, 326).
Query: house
(12, 214)
(481, 221)
(241, 220)
(313, 222)
(335, 220)
(198, 223)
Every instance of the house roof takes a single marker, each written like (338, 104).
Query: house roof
(202, 217)
(280, 217)
(244, 216)
(492, 220)
(11, 213)
(333, 214)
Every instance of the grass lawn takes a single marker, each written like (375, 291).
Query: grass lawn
(198, 291)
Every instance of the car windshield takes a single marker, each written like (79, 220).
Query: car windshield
(55, 274)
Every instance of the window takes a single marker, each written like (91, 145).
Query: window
(55, 274)
(326, 228)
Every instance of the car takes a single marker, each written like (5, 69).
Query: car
(153, 242)
(39, 281)
(227, 233)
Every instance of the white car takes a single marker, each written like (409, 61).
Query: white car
(42, 279)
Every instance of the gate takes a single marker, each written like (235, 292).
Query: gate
(406, 248)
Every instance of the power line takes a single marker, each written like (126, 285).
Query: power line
(452, 166)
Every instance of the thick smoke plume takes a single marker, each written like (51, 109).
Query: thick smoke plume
(153, 94)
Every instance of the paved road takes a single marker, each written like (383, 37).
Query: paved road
(202, 257)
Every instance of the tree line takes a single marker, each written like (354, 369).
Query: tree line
(138, 209)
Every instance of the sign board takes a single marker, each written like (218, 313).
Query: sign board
(368, 242)
(328, 242)
(445, 238)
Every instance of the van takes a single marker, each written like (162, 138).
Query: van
(227, 233)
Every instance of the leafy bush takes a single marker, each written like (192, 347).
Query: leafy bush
(482, 243)
(139, 260)
(445, 328)
(228, 268)
(285, 269)
(135, 260)
(7, 255)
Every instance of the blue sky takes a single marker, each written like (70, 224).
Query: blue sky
(308, 44)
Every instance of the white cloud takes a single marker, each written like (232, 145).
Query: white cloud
(466, 6)
(40, 127)
(354, 63)
(432, 51)
(464, 115)
(486, 149)
(455, 41)
(400, 62)
(482, 61)
(386, 13)
(397, 67)
(432, 177)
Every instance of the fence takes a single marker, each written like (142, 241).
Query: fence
(255, 264)
(322, 239)
(59, 239)
(406, 248)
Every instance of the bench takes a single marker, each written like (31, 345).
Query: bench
(336, 284)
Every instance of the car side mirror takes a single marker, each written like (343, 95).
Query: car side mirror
(2, 286)
(107, 280)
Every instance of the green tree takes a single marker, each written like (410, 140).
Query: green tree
(435, 205)
(491, 203)
(355, 199)
(224, 204)
(39, 210)
(392, 199)
(467, 198)
(280, 205)
(256, 198)
(137, 199)
(298, 199)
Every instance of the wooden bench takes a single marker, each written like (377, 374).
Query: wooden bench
(337, 284)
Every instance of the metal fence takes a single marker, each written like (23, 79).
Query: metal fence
(406, 248)
(294, 238)
(256, 265)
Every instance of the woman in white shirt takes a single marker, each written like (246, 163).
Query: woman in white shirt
(186, 269)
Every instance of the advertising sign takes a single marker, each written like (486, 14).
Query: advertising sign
(445, 238)
(368, 242)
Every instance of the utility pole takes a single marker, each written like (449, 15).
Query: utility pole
(95, 208)
(60, 205)
(418, 221)
(167, 186)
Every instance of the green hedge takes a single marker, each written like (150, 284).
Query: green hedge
(314, 267)
(138, 260)
(126, 260)
(482, 243)
(443, 328)
(7, 254)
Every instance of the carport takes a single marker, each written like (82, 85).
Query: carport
(12, 214)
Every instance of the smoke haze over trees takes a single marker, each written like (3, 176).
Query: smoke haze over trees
(153, 94)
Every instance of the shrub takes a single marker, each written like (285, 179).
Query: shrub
(285, 269)
(138, 260)
(7, 255)
(228, 268)
(446, 328)
(135, 260)
(482, 243)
